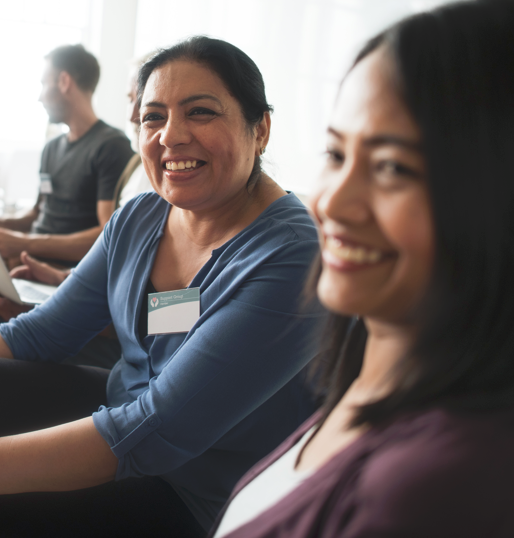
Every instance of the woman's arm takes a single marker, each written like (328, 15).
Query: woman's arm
(5, 351)
(66, 457)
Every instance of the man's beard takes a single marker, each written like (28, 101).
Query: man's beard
(54, 117)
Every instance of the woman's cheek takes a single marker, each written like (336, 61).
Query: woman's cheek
(407, 224)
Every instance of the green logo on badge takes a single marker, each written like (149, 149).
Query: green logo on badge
(156, 301)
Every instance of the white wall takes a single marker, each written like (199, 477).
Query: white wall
(28, 30)
(302, 47)
(113, 45)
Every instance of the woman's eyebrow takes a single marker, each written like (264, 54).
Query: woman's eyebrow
(386, 140)
(383, 140)
(332, 131)
(199, 97)
(154, 104)
(190, 99)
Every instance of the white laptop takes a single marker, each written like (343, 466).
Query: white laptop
(23, 291)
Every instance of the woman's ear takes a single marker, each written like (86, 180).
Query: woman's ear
(262, 131)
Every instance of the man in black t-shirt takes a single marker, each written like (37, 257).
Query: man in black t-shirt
(79, 170)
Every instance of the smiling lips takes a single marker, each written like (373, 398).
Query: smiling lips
(352, 254)
(183, 165)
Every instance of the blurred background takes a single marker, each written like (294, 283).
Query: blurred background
(302, 47)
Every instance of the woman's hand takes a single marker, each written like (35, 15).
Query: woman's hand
(38, 271)
(63, 458)
(9, 309)
(30, 270)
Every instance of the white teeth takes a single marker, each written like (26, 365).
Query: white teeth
(180, 165)
(356, 255)
(374, 256)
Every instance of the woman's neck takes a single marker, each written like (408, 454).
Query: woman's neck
(211, 228)
(386, 345)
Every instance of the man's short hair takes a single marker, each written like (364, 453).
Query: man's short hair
(80, 64)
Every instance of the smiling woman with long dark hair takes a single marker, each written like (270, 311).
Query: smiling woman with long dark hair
(416, 211)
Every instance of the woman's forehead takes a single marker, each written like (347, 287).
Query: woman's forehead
(369, 103)
(180, 78)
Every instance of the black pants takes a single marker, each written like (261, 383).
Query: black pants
(35, 396)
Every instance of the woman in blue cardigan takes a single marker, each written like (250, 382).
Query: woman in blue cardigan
(197, 398)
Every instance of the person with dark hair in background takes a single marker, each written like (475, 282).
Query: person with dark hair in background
(416, 212)
(79, 169)
(203, 282)
(103, 350)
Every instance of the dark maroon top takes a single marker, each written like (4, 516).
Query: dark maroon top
(433, 474)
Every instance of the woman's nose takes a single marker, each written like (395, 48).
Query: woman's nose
(175, 132)
(344, 195)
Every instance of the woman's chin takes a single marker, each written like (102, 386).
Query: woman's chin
(336, 300)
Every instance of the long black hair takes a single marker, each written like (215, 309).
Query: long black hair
(236, 70)
(455, 69)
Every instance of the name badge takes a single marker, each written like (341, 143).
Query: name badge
(173, 311)
(45, 186)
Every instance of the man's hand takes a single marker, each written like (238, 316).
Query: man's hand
(38, 271)
(12, 243)
(72, 247)
(30, 270)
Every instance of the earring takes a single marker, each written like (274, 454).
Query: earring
(263, 149)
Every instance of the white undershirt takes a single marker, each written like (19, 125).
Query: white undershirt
(137, 183)
(272, 485)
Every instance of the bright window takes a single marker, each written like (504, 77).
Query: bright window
(28, 30)
(302, 48)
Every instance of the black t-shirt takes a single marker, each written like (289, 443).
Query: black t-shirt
(76, 175)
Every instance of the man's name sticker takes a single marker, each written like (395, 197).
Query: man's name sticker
(45, 185)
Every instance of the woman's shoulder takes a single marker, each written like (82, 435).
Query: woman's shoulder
(147, 206)
(140, 215)
(440, 437)
(441, 469)
(286, 215)
(143, 201)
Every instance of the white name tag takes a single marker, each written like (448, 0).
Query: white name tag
(173, 311)
(45, 187)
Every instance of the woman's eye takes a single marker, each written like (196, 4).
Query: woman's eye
(199, 111)
(394, 169)
(152, 116)
(334, 156)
